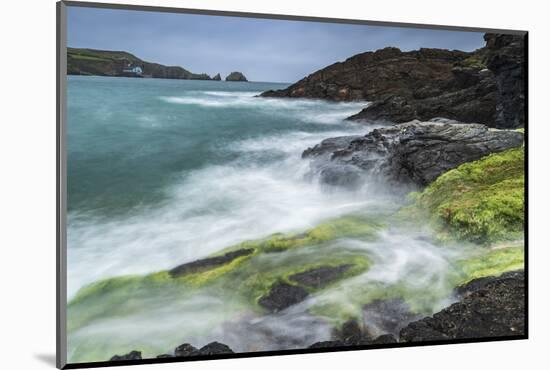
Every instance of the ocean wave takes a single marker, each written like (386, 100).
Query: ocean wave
(308, 110)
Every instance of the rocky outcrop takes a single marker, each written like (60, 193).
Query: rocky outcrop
(210, 262)
(213, 348)
(184, 350)
(489, 307)
(506, 59)
(133, 355)
(217, 77)
(236, 76)
(414, 152)
(485, 86)
(403, 86)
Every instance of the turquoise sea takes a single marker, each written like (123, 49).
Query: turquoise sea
(161, 172)
(165, 172)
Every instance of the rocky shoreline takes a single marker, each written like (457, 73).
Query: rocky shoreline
(485, 307)
(485, 86)
(451, 131)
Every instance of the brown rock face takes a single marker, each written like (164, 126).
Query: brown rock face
(485, 86)
(373, 75)
(420, 84)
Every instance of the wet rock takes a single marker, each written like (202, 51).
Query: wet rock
(208, 263)
(185, 350)
(387, 316)
(414, 152)
(489, 307)
(214, 348)
(321, 276)
(133, 355)
(165, 355)
(350, 332)
(328, 344)
(281, 296)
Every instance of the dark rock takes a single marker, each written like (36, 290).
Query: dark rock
(165, 355)
(281, 296)
(403, 86)
(236, 76)
(506, 59)
(414, 152)
(350, 332)
(489, 307)
(485, 86)
(185, 350)
(133, 355)
(373, 75)
(387, 316)
(210, 262)
(319, 277)
(384, 339)
(328, 344)
(217, 77)
(214, 348)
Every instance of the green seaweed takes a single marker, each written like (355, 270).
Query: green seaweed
(492, 262)
(480, 201)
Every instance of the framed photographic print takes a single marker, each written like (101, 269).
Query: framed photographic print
(235, 184)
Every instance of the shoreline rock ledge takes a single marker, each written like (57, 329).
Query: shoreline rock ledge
(414, 152)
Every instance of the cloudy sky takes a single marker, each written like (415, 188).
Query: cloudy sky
(264, 50)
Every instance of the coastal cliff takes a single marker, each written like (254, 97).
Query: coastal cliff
(426, 83)
(92, 62)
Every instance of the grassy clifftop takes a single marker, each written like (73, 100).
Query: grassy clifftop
(109, 63)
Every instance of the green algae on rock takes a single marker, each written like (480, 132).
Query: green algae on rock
(480, 201)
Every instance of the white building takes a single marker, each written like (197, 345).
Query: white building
(133, 69)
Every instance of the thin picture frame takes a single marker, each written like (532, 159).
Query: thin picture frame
(61, 184)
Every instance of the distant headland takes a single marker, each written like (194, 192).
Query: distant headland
(93, 62)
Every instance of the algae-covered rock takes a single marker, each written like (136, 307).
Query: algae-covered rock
(281, 296)
(482, 201)
(208, 263)
(319, 277)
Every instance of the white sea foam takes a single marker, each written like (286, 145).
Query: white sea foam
(310, 110)
(208, 210)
